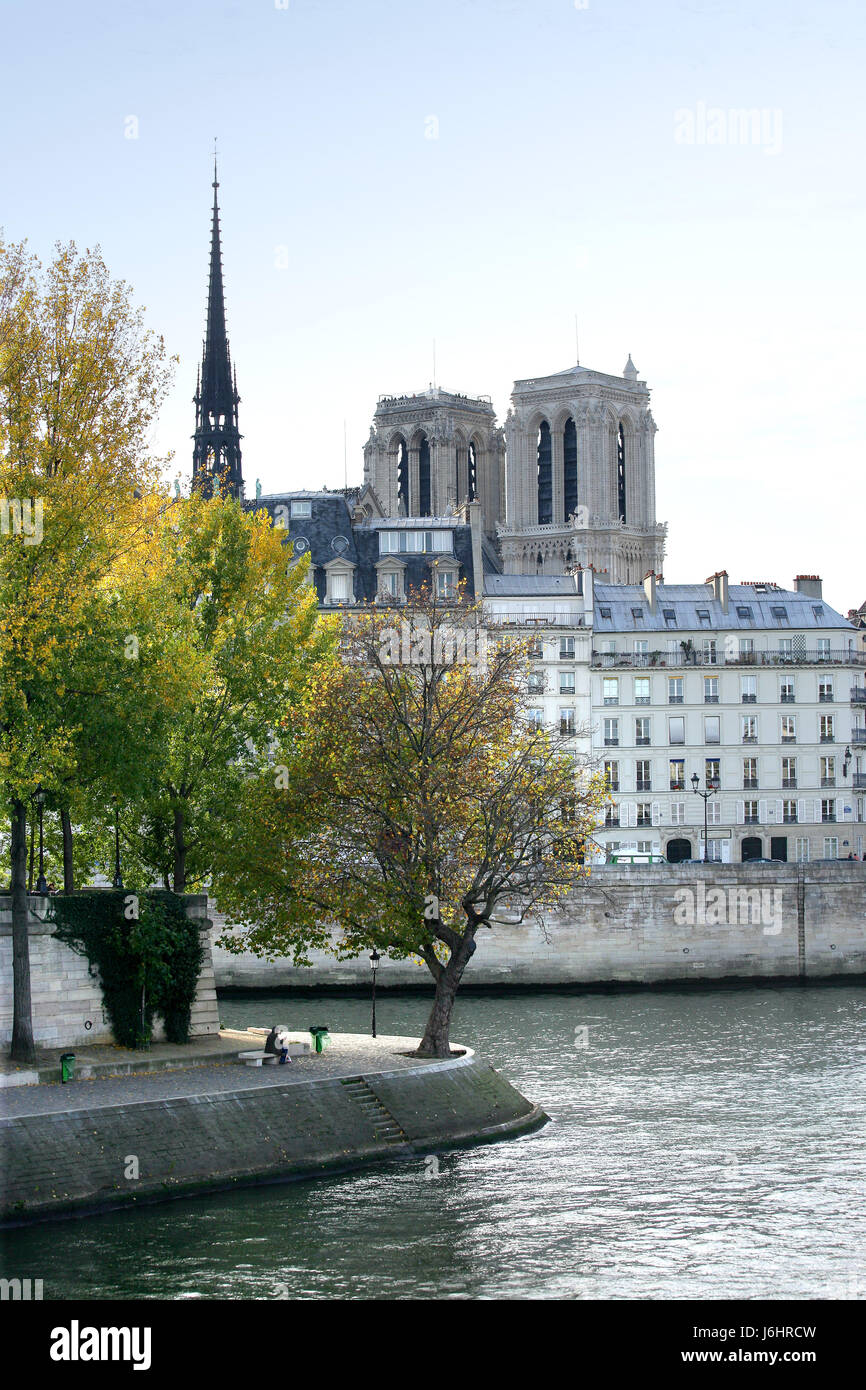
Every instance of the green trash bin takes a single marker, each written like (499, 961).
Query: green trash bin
(67, 1066)
(320, 1035)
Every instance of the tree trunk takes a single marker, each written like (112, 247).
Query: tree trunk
(32, 851)
(68, 871)
(179, 852)
(436, 1041)
(22, 1022)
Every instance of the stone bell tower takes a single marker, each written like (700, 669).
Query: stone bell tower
(429, 453)
(581, 477)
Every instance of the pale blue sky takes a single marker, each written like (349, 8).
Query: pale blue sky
(557, 185)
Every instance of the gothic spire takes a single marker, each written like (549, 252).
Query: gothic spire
(217, 451)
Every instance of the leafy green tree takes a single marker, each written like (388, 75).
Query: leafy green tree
(413, 804)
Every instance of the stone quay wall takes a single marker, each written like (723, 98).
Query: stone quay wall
(74, 1160)
(66, 995)
(637, 924)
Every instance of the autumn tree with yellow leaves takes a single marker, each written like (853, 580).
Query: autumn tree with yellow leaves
(412, 805)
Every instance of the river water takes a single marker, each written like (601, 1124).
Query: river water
(703, 1145)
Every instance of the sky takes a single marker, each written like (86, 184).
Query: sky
(481, 174)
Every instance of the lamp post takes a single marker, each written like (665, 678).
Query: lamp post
(41, 884)
(712, 788)
(374, 966)
(117, 881)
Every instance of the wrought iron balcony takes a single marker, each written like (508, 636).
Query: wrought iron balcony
(602, 660)
(858, 696)
(858, 735)
(860, 781)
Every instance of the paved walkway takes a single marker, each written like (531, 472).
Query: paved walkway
(350, 1054)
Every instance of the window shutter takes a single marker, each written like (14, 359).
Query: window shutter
(630, 809)
(741, 813)
(656, 813)
(779, 811)
(762, 812)
(802, 807)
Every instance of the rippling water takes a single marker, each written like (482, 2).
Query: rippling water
(703, 1145)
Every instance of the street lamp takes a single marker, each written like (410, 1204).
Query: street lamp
(41, 884)
(374, 966)
(712, 788)
(117, 881)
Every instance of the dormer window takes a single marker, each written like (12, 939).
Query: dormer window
(704, 617)
(301, 508)
(604, 611)
(744, 611)
(670, 615)
(779, 612)
(637, 614)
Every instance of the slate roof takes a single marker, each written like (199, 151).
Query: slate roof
(530, 586)
(331, 521)
(686, 599)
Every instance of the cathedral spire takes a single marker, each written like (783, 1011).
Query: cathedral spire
(217, 450)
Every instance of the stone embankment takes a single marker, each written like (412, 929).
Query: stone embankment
(91, 1146)
(638, 925)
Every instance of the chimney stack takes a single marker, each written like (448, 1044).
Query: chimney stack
(718, 582)
(810, 584)
(649, 588)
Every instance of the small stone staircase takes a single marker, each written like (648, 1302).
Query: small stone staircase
(383, 1124)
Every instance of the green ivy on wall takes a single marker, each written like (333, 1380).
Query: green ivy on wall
(148, 954)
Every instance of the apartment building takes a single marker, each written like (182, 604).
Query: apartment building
(750, 694)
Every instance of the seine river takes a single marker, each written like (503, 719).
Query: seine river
(703, 1145)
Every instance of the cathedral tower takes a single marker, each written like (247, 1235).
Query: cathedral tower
(217, 447)
(430, 453)
(581, 477)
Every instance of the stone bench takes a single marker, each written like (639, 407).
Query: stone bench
(258, 1059)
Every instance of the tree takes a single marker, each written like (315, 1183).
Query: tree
(81, 381)
(413, 804)
(248, 638)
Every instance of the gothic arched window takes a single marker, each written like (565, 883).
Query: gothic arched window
(424, 477)
(473, 472)
(403, 478)
(569, 462)
(620, 472)
(545, 475)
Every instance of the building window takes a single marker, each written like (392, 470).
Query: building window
(828, 809)
(789, 812)
(825, 692)
(786, 692)
(788, 728)
(536, 682)
(338, 588)
(611, 733)
(750, 728)
(566, 682)
(828, 772)
(445, 585)
(611, 816)
(391, 585)
(744, 612)
(823, 648)
(637, 614)
(678, 813)
(610, 690)
(709, 651)
(712, 768)
(642, 690)
(643, 776)
(545, 475)
(675, 690)
(831, 847)
(712, 728)
(642, 732)
(604, 610)
(676, 729)
(748, 689)
(301, 509)
(535, 649)
(711, 690)
(827, 728)
(801, 850)
(818, 610)
(644, 813)
(620, 473)
(714, 813)
(789, 772)
(714, 852)
(750, 813)
(704, 617)
(779, 612)
(566, 649)
(670, 616)
(750, 774)
(535, 717)
(611, 776)
(786, 648)
(677, 770)
(566, 722)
